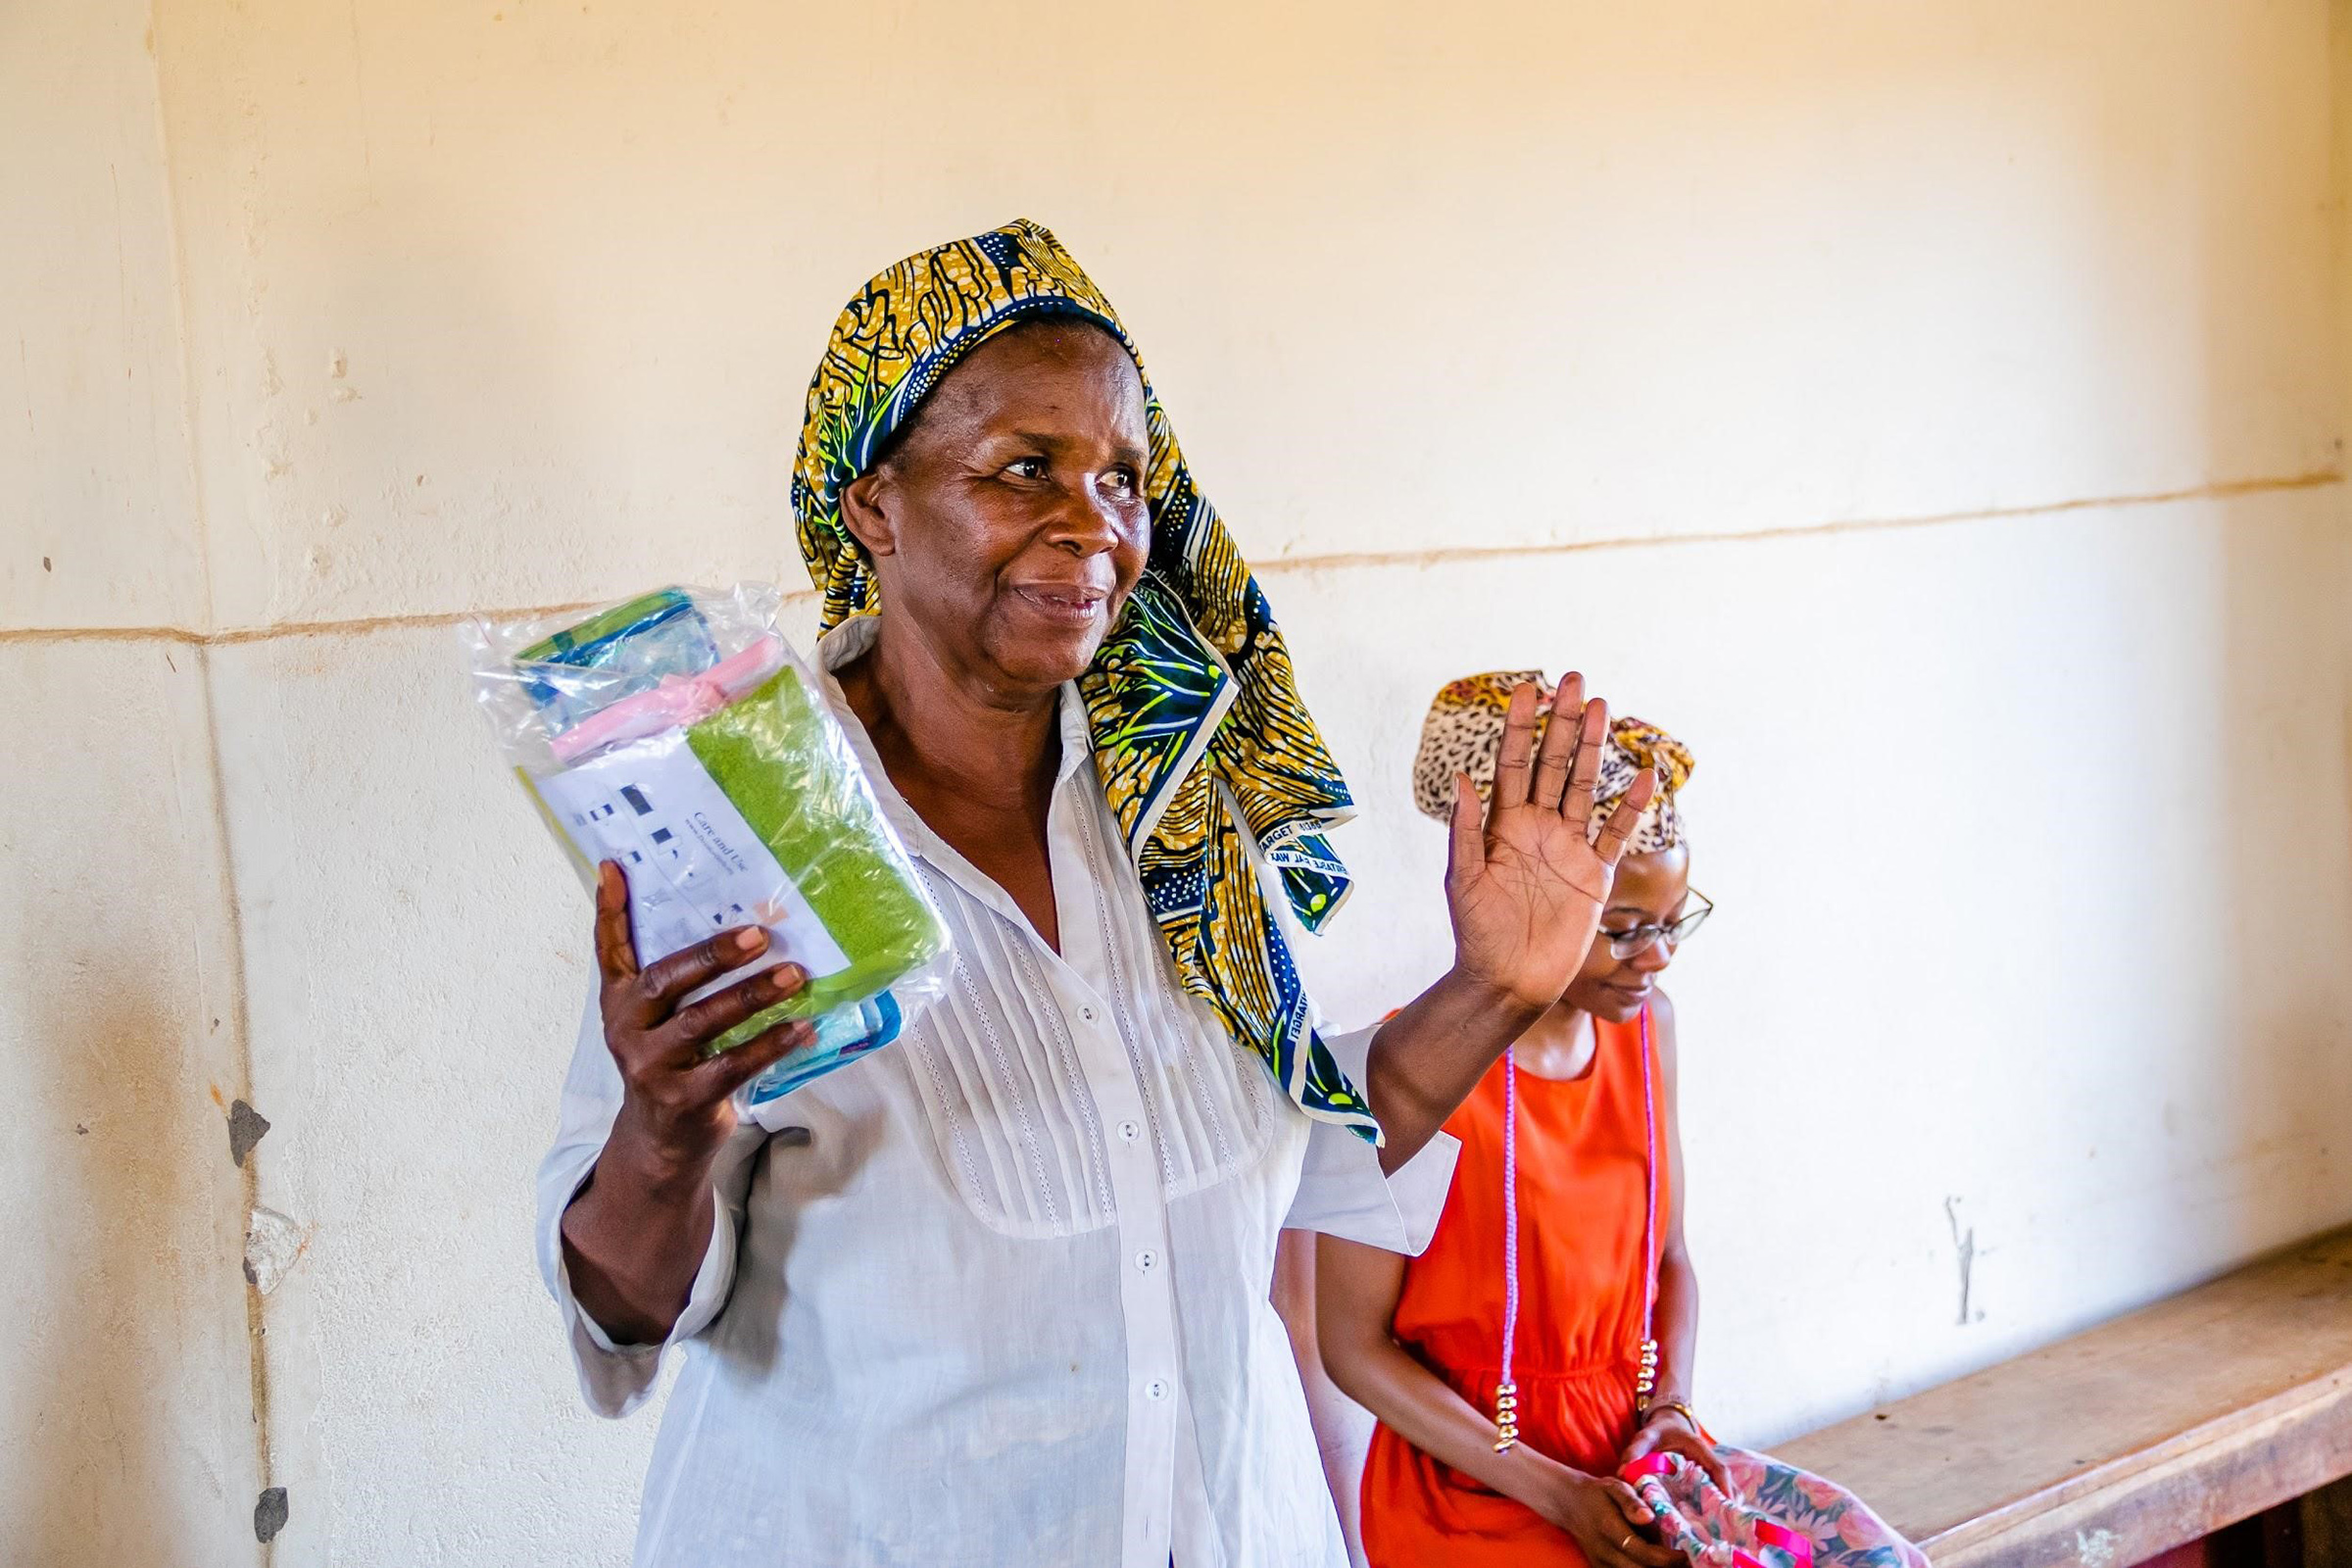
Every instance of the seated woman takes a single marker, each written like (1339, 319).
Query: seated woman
(998, 1294)
(1530, 1370)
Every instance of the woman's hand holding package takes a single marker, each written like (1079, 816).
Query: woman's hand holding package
(635, 1234)
(1670, 1431)
(676, 1098)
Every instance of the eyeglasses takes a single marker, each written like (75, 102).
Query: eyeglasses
(1674, 933)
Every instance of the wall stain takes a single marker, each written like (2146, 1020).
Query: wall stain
(246, 1126)
(269, 1517)
(269, 1514)
(1964, 1244)
(273, 1245)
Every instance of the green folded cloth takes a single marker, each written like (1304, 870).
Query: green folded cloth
(784, 762)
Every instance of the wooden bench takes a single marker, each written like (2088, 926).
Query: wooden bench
(2141, 1435)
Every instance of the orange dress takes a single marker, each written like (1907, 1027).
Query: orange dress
(1583, 1161)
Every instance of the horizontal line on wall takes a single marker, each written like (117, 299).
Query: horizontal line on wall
(2222, 491)
(289, 628)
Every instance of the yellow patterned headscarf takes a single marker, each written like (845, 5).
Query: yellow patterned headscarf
(1207, 755)
(1463, 734)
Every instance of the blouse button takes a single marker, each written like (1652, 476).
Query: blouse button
(1130, 1131)
(1157, 1389)
(1087, 1014)
(1147, 1261)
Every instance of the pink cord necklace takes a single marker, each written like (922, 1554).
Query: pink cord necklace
(1506, 1392)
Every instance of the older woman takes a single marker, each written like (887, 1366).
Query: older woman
(999, 1293)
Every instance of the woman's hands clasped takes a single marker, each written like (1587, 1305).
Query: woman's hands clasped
(1524, 885)
(676, 1100)
(1606, 1520)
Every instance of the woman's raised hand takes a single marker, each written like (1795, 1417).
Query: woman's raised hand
(1524, 884)
(675, 1098)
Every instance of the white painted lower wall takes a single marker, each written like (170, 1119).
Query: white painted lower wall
(2030, 843)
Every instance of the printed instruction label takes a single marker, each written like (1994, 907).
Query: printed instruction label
(695, 866)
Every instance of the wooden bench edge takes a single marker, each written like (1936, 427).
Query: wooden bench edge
(2138, 1504)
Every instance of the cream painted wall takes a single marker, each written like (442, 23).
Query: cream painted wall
(1934, 413)
(126, 1386)
(93, 426)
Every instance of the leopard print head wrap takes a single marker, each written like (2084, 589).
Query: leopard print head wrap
(1463, 734)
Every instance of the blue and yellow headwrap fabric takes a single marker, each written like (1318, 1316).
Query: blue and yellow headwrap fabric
(1207, 755)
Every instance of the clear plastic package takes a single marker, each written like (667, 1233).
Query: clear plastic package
(678, 734)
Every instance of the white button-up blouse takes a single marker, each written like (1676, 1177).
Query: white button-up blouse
(998, 1294)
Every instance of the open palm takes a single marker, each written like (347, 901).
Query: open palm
(1524, 883)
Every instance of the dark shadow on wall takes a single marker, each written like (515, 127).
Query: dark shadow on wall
(139, 1451)
(2281, 741)
(2281, 1077)
(129, 1436)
